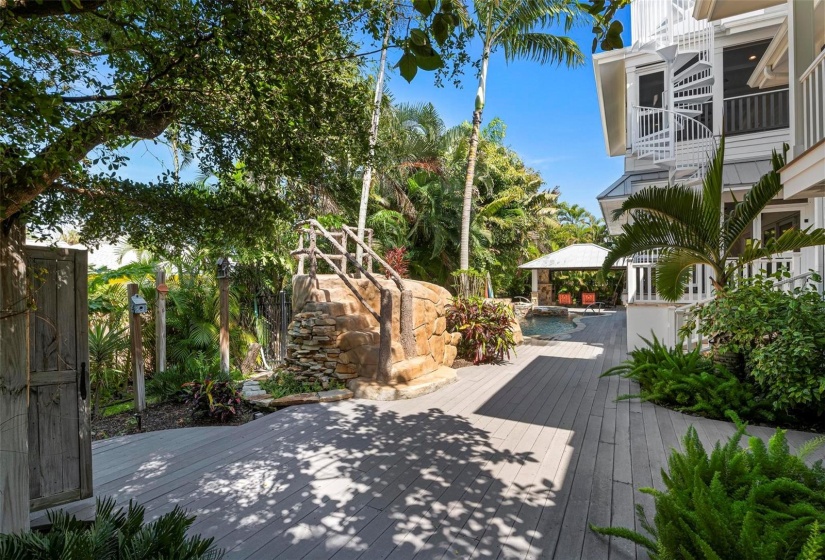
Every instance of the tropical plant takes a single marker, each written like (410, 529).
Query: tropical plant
(486, 329)
(213, 399)
(169, 385)
(761, 503)
(418, 53)
(690, 382)
(690, 228)
(107, 341)
(283, 383)
(780, 336)
(398, 260)
(115, 534)
(518, 28)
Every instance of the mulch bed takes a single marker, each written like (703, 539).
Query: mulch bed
(162, 416)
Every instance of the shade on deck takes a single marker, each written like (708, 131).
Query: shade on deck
(579, 256)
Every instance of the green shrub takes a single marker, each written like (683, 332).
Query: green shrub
(169, 385)
(781, 336)
(756, 503)
(114, 535)
(486, 329)
(284, 383)
(216, 400)
(690, 382)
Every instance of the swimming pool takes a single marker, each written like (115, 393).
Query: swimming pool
(537, 325)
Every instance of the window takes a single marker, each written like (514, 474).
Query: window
(651, 89)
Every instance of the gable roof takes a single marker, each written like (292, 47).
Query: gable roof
(579, 256)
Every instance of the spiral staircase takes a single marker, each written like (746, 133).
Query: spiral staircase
(671, 136)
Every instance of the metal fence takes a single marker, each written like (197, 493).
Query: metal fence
(272, 312)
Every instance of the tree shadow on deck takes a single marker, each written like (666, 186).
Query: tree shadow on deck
(363, 481)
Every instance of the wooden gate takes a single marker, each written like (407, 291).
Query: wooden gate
(60, 447)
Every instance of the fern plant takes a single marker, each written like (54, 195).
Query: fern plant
(762, 502)
(690, 382)
(114, 535)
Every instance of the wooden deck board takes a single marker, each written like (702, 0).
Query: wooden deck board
(514, 460)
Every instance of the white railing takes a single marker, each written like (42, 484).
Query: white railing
(813, 101)
(668, 136)
(679, 319)
(691, 338)
(642, 277)
(661, 23)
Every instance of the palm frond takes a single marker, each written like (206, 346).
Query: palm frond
(791, 240)
(745, 212)
(544, 48)
(673, 273)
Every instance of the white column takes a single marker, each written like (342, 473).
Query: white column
(631, 283)
(535, 276)
(801, 54)
(718, 92)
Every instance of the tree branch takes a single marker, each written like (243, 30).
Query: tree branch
(93, 98)
(353, 55)
(42, 171)
(45, 8)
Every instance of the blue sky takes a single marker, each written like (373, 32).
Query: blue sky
(551, 113)
(552, 116)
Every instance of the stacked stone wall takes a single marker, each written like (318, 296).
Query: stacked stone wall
(334, 336)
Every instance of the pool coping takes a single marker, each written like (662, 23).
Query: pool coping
(539, 340)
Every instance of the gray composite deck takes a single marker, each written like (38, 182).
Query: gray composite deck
(512, 461)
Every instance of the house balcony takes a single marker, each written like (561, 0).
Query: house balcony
(641, 284)
(804, 176)
(812, 83)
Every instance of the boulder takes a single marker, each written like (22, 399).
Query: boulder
(437, 347)
(300, 398)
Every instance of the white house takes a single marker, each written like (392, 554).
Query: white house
(753, 69)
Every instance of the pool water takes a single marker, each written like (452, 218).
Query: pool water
(546, 326)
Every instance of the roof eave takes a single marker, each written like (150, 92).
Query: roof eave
(611, 91)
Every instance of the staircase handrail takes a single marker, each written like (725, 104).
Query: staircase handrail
(313, 251)
(671, 122)
(384, 317)
(369, 251)
(793, 280)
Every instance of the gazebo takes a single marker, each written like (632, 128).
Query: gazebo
(576, 257)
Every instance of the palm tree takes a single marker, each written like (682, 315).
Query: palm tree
(516, 26)
(690, 228)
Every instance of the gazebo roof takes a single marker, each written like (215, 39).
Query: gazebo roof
(580, 256)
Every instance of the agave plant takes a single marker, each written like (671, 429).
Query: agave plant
(690, 228)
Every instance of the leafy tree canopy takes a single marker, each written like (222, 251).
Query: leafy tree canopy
(275, 84)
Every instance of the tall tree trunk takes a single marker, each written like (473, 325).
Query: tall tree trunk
(14, 379)
(376, 117)
(472, 154)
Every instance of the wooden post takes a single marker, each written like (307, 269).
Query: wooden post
(160, 320)
(313, 258)
(136, 340)
(385, 339)
(14, 381)
(223, 284)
